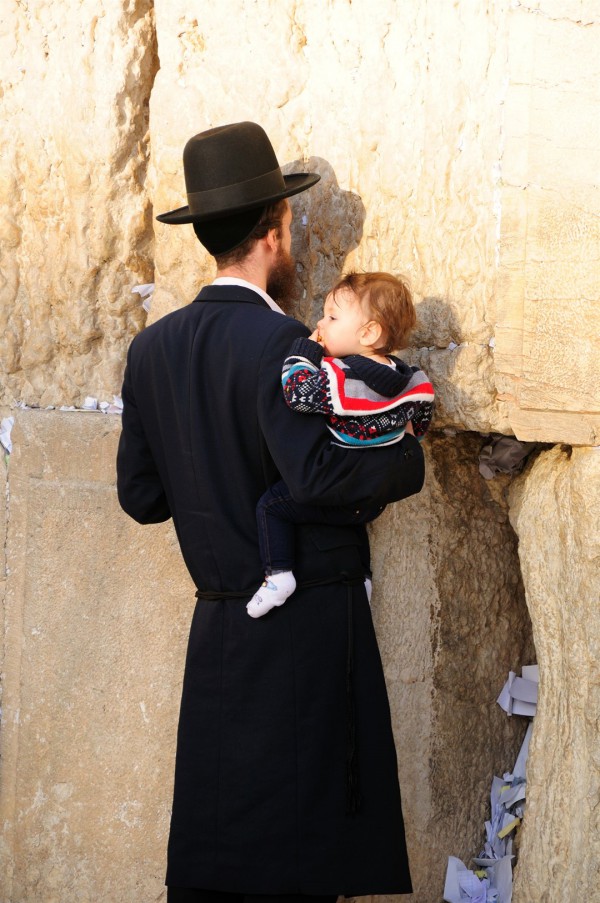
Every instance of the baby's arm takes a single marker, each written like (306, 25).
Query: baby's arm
(424, 407)
(413, 416)
(305, 384)
(421, 419)
(416, 411)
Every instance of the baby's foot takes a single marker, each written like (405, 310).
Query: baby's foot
(272, 594)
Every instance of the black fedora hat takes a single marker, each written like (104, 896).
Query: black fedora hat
(232, 169)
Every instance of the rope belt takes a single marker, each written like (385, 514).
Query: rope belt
(353, 797)
(214, 595)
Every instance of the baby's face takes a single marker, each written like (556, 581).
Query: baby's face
(342, 324)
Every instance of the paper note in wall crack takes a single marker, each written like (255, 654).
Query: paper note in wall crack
(6, 426)
(519, 694)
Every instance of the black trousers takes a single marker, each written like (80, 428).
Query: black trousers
(193, 895)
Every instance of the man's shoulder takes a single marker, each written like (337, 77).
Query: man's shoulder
(151, 328)
(156, 331)
(254, 321)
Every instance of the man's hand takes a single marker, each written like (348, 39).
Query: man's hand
(408, 427)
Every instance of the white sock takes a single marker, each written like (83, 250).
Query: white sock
(272, 594)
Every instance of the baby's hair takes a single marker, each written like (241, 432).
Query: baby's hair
(388, 300)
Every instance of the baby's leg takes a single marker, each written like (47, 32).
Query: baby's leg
(276, 539)
(276, 534)
(277, 516)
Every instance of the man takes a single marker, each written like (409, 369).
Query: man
(285, 779)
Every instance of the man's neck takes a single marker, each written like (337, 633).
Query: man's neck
(254, 275)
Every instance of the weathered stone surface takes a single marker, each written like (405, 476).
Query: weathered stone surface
(3, 559)
(548, 320)
(96, 619)
(554, 510)
(463, 378)
(434, 209)
(449, 631)
(385, 102)
(485, 199)
(75, 232)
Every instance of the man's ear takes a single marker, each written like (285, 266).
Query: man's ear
(272, 239)
(371, 334)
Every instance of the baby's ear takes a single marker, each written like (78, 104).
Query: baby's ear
(371, 334)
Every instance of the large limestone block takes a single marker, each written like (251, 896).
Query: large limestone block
(424, 173)
(554, 510)
(75, 218)
(464, 381)
(451, 618)
(548, 321)
(96, 620)
(387, 102)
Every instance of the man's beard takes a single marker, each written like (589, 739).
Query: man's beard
(282, 282)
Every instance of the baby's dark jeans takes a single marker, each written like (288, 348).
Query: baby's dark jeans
(277, 514)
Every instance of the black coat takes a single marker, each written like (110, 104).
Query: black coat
(284, 720)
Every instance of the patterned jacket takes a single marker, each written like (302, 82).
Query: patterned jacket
(366, 403)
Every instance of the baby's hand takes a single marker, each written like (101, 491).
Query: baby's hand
(316, 337)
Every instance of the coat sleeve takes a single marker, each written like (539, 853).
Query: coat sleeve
(316, 471)
(139, 487)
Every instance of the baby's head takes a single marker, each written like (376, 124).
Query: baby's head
(384, 305)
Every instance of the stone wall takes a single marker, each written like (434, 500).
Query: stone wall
(449, 633)
(75, 215)
(458, 144)
(470, 165)
(97, 612)
(547, 314)
(383, 106)
(554, 510)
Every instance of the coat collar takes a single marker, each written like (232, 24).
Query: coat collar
(237, 290)
(230, 293)
(236, 280)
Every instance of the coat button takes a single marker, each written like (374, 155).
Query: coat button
(408, 453)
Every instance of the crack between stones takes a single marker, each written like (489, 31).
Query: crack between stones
(5, 569)
(145, 67)
(536, 11)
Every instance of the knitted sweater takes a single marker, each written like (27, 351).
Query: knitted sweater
(366, 403)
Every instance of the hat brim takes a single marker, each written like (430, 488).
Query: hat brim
(294, 184)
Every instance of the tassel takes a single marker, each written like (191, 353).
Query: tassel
(353, 798)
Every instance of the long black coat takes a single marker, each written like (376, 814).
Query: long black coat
(284, 721)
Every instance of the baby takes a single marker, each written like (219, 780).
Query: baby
(346, 371)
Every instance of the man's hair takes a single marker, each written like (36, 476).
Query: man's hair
(386, 299)
(271, 218)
